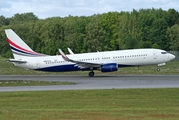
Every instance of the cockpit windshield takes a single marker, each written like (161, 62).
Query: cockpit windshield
(163, 52)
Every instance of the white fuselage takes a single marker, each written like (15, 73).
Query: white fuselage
(124, 58)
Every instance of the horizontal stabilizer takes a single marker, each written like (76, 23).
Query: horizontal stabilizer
(16, 61)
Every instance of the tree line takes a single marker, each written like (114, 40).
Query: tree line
(144, 28)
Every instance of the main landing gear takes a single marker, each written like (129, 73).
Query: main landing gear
(91, 74)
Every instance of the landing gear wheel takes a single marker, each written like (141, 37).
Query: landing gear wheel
(158, 69)
(91, 74)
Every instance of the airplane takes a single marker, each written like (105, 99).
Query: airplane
(108, 61)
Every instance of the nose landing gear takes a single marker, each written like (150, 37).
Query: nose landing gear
(158, 69)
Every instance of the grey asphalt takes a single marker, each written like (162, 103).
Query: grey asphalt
(96, 82)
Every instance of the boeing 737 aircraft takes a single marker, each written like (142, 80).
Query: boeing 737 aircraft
(108, 61)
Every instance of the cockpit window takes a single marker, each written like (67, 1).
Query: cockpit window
(163, 52)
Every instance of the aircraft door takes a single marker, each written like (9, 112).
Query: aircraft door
(38, 64)
(154, 54)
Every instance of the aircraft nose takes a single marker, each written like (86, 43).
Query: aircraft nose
(171, 56)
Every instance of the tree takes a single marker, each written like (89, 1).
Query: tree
(173, 17)
(129, 42)
(144, 28)
(158, 33)
(3, 20)
(173, 36)
(95, 35)
(110, 23)
(21, 18)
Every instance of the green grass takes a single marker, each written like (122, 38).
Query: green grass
(7, 68)
(123, 104)
(5, 83)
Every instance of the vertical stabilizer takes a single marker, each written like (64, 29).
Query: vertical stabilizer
(18, 47)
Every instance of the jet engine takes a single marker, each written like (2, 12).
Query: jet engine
(109, 67)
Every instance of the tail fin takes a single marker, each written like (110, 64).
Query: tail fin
(18, 47)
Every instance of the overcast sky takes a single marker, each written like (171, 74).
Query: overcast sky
(51, 8)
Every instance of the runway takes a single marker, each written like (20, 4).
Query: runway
(96, 82)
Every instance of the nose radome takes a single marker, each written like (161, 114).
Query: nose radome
(172, 56)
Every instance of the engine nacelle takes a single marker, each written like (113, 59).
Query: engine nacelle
(109, 67)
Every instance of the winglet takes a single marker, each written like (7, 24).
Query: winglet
(70, 51)
(63, 55)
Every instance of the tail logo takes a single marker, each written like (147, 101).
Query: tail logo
(16, 49)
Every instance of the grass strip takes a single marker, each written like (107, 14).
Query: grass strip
(114, 104)
(6, 83)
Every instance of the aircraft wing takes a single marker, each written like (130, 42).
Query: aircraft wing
(80, 64)
(16, 61)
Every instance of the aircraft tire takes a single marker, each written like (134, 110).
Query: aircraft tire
(91, 74)
(158, 69)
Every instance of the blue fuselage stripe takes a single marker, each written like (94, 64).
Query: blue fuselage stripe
(61, 68)
(72, 67)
